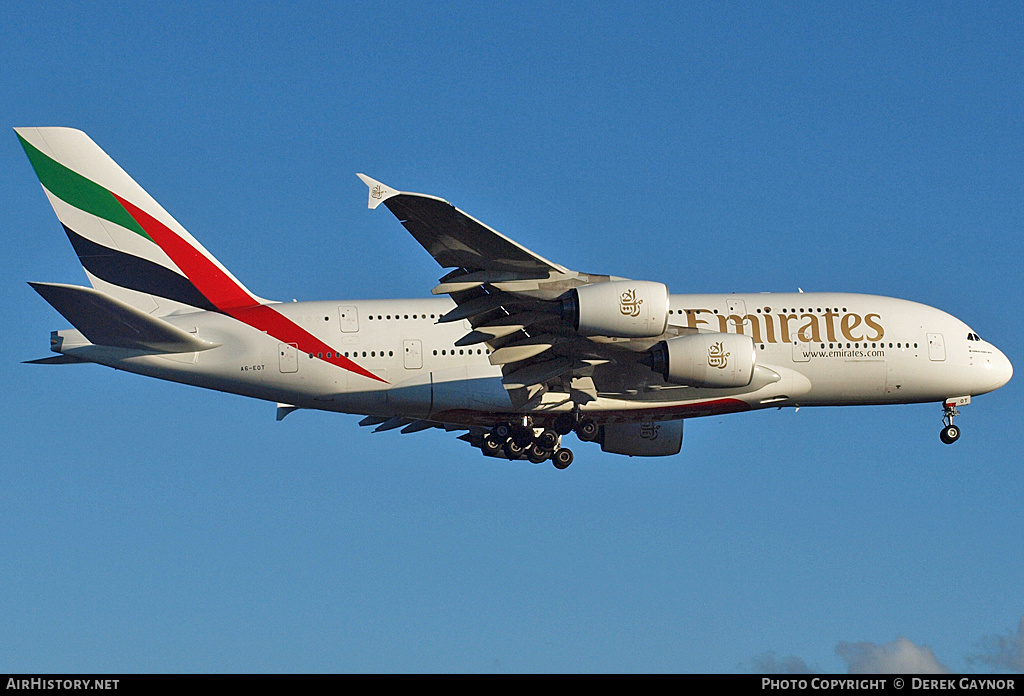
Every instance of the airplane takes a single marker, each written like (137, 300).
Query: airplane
(515, 352)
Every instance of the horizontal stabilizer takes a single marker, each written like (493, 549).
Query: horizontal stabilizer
(106, 321)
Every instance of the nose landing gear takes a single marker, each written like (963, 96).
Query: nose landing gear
(950, 433)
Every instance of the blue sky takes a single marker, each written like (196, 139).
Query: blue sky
(719, 147)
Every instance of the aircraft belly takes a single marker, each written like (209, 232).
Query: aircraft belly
(477, 388)
(412, 398)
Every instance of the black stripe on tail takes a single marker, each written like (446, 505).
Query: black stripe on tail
(134, 273)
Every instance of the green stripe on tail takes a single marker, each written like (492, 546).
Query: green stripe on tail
(74, 189)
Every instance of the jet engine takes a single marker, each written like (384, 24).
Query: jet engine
(619, 308)
(717, 360)
(655, 439)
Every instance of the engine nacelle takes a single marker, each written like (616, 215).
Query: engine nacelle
(653, 439)
(717, 360)
(620, 308)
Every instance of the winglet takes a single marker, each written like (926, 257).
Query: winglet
(378, 191)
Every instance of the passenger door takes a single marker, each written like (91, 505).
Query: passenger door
(936, 347)
(349, 319)
(288, 357)
(413, 353)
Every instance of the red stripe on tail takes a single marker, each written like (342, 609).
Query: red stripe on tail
(231, 298)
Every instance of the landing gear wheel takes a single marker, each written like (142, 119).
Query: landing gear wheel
(562, 458)
(548, 439)
(537, 454)
(500, 432)
(489, 446)
(512, 450)
(587, 430)
(523, 437)
(950, 434)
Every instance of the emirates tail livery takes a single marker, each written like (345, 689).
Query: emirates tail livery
(516, 350)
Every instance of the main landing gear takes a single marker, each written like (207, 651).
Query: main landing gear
(522, 441)
(515, 441)
(950, 433)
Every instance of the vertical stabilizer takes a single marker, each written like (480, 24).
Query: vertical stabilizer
(129, 246)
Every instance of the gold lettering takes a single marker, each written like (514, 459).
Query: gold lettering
(693, 319)
(879, 331)
(812, 324)
(755, 326)
(784, 320)
(849, 323)
(777, 329)
(830, 329)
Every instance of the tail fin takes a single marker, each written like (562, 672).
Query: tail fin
(130, 247)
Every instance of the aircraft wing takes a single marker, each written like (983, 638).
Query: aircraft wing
(455, 239)
(512, 299)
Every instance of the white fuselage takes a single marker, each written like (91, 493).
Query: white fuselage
(824, 349)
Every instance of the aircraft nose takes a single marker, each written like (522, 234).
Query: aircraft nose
(998, 370)
(1003, 369)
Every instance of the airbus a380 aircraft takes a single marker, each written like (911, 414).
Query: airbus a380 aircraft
(521, 352)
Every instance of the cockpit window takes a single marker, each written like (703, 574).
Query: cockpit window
(973, 337)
